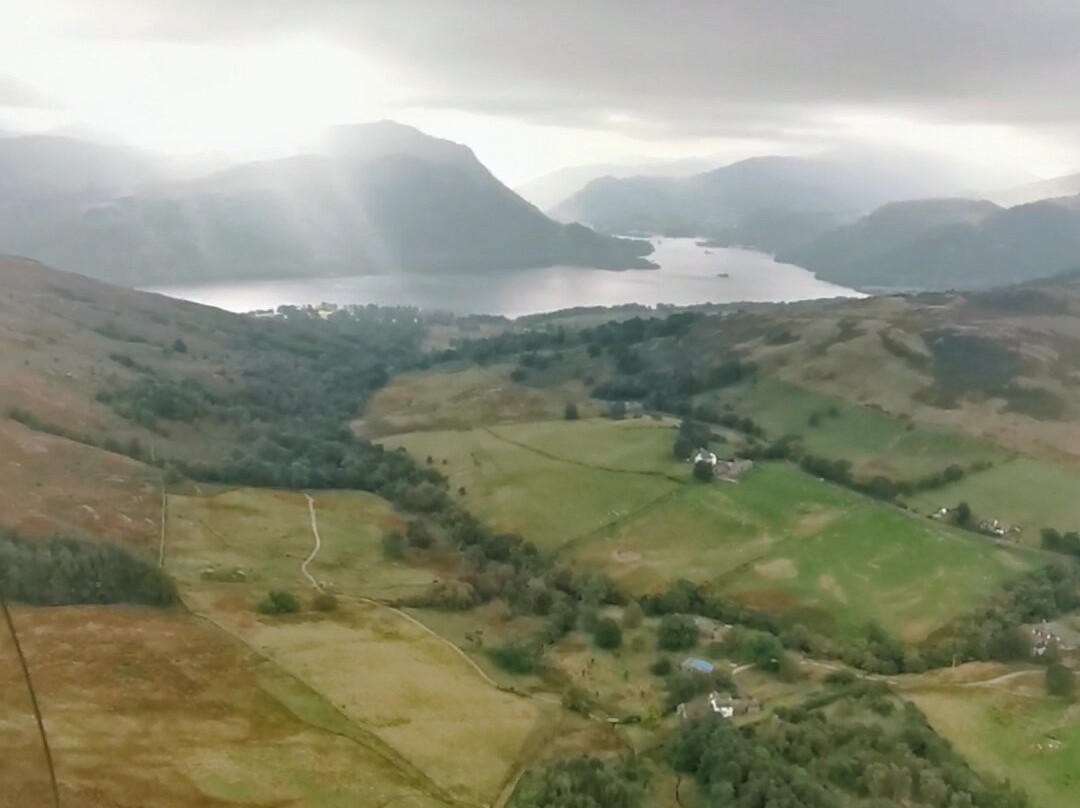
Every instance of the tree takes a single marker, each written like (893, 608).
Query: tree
(703, 471)
(963, 514)
(617, 410)
(1060, 681)
(570, 412)
(607, 634)
(179, 346)
(279, 601)
(676, 632)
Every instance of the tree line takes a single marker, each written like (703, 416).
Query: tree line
(63, 571)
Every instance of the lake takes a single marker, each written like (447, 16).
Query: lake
(688, 275)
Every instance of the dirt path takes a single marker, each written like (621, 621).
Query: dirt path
(316, 548)
(405, 615)
(999, 680)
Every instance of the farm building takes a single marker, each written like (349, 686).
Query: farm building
(731, 470)
(695, 665)
(704, 456)
(719, 705)
(1044, 635)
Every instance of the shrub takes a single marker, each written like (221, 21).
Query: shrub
(661, 667)
(279, 601)
(1060, 681)
(570, 412)
(515, 656)
(607, 634)
(677, 632)
(324, 602)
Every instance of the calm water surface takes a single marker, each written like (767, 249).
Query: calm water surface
(688, 274)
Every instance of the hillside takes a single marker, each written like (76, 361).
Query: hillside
(381, 198)
(715, 202)
(1068, 185)
(947, 244)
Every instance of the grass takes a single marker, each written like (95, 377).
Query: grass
(394, 687)
(521, 487)
(780, 539)
(874, 441)
(1031, 494)
(161, 709)
(266, 534)
(1032, 741)
(454, 398)
(786, 542)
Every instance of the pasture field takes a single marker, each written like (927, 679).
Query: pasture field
(786, 542)
(145, 707)
(874, 563)
(1032, 740)
(874, 441)
(779, 539)
(524, 488)
(405, 690)
(454, 398)
(1031, 494)
(267, 534)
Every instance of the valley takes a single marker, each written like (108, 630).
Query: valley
(505, 562)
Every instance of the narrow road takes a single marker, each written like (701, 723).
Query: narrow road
(316, 548)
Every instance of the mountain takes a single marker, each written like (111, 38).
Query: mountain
(711, 204)
(548, 191)
(1068, 185)
(946, 244)
(378, 198)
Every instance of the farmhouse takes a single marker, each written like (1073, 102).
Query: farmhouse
(719, 705)
(704, 456)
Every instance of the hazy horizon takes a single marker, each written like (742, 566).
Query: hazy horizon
(533, 89)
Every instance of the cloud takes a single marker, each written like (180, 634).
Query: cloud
(684, 65)
(15, 94)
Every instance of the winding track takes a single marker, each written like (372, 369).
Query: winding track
(316, 548)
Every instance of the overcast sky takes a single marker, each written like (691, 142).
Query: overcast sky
(533, 86)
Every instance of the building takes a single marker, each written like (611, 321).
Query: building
(695, 665)
(1044, 635)
(704, 456)
(719, 705)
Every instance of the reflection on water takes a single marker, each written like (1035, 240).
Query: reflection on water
(688, 274)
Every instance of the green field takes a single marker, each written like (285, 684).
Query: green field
(400, 689)
(785, 542)
(780, 539)
(874, 441)
(1031, 494)
(455, 398)
(1033, 741)
(266, 534)
(514, 480)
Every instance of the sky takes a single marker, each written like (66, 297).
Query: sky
(535, 86)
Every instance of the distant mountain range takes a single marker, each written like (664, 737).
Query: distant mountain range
(548, 191)
(936, 244)
(720, 202)
(378, 198)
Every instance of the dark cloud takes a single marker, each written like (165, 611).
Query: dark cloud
(689, 67)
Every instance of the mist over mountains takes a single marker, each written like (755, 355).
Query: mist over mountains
(377, 198)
